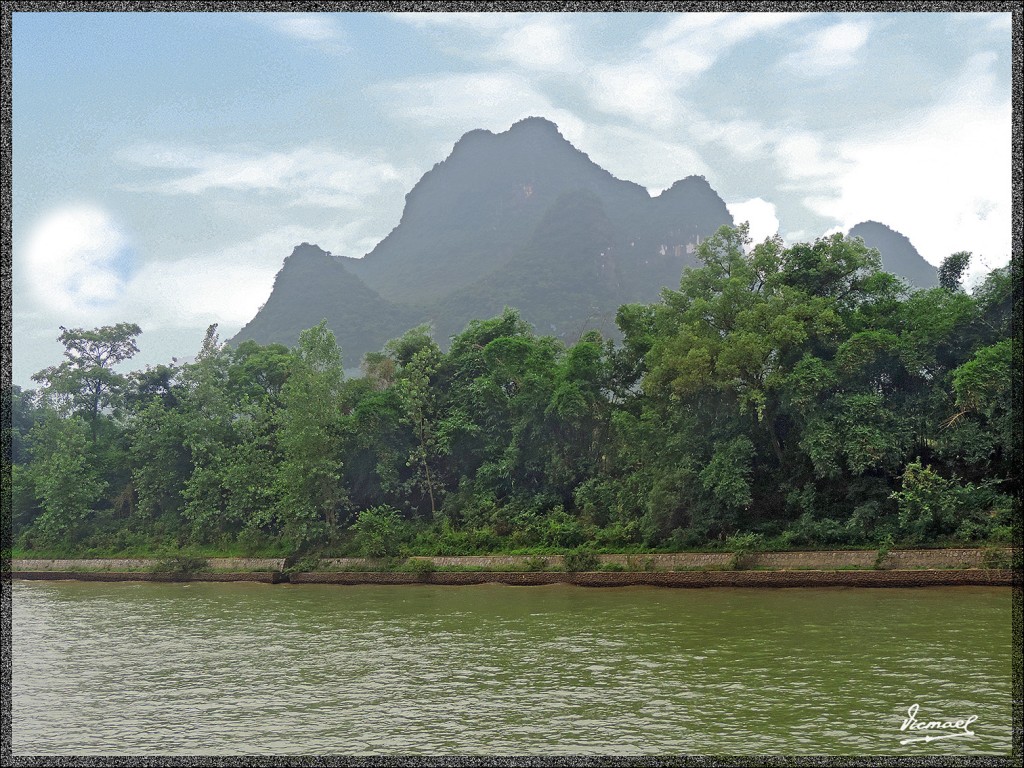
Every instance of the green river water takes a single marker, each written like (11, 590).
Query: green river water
(204, 668)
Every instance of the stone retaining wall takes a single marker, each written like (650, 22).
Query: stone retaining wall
(128, 564)
(892, 578)
(263, 577)
(816, 560)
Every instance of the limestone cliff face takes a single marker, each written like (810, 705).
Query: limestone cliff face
(520, 218)
(523, 219)
(899, 256)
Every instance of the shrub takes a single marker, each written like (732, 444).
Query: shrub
(743, 546)
(581, 560)
(305, 564)
(378, 532)
(536, 563)
(421, 565)
(883, 552)
(563, 530)
(926, 503)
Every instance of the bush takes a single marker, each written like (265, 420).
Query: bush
(743, 546)
(536, 563)
(926, 503)
(379, 532)
(423, 566)
(883, 552)
(305, 564)
(560, 529)
(581, 560)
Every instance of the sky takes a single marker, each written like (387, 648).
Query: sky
(165, 164)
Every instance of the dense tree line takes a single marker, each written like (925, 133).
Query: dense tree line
(793, 396)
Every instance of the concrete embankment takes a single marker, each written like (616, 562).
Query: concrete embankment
(916, 578)
(263, 577)
(692, 579)
(898, 568)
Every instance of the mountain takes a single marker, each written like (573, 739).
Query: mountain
(523, 219)
(899, 256)
(313, 285)
(520, 218)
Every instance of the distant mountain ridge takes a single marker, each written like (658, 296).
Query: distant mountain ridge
(899, 256)
(520, 218)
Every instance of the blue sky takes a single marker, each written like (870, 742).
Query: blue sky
(166, 163)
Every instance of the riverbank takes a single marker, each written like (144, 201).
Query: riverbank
(974, 577)
(820, 560)
(899, 568)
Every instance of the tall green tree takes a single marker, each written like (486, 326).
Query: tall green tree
(311, 439)
(86, 382)
(64, 474)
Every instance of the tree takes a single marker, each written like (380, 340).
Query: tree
(952, 270)
(419, 399)
(86, 382)
(310, 438)
(65, 478)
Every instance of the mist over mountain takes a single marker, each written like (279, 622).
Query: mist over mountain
(522, 219)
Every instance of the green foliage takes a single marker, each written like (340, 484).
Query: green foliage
(581, 560)
(932, 507)
(743, 546)
(379, 532)
(305, 564)
(422, 566)
(799, 395)
(312, 498)
(952, 270)
(64, 473)
(883, 552)
(85, 383)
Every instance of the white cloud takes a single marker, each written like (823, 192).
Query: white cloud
(762, 216)
(640, 156)
(645, 88)
(462, 102)
(228, 285)
(545, 45)
(942, 180)
(77, 259)
(307, 175)
(716, 32)
(830, 49)
(1000, 22)
(473, 20)
(806, 158)
(321, 30)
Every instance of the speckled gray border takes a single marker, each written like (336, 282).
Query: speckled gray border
(11, 6)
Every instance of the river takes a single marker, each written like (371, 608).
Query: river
(208, 668)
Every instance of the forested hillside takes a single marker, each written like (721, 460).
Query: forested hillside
(785, 397)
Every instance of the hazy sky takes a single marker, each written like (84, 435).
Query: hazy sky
(166, 163)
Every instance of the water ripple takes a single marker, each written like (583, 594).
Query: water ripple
(251, 669)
